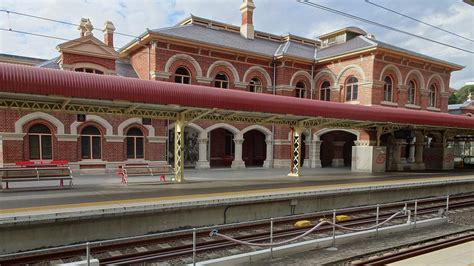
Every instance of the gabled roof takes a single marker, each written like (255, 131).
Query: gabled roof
(88, 45)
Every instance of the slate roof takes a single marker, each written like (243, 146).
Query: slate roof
(220, 37)
(231, 39)
(122, 68)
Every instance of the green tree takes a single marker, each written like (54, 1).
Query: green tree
(460, 95)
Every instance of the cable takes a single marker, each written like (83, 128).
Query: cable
(420, 21)
(57, 38)
(307, 2)
(58, 21)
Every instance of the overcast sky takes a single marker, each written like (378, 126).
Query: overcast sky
(273, 16)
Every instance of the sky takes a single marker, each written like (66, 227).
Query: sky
(274, 16)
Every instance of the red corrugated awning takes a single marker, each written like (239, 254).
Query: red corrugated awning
(39, 81)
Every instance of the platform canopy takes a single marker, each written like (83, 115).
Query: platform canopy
(32, 88)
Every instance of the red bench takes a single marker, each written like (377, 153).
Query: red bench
(145, 170)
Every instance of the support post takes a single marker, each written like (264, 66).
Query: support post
(1, 152)
(202, 162)
(179, 148)
(295, 167)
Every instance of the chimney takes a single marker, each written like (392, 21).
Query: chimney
(108, 30)
(246, 29)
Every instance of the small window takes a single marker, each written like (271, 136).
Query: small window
(135, 144)
(255, 85)
(411, 92)
(352, 89)
(182, 76)
(300, 90)
(387, 89)
(221, 81)
(40, 143)
(432, 96)
(91, 143)
(325, 91)
(89, 70)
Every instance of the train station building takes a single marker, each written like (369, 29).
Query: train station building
(348, 66)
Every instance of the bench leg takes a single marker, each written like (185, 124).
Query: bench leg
(124, 180)
(70, 182)
(162, 178)
(6, 185)
(61, 183)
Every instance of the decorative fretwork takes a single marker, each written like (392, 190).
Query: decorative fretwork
(179, 148)
(295, 169)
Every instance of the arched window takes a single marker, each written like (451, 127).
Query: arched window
(300, 90)
(387, 89)
(255, 85)
(432, 96)
(182, 76)
(91, 143)
(40, 143)
(135, 144)
(411, 92)
(89, 70)
(352, 89)
(221, 81)
(325, 91)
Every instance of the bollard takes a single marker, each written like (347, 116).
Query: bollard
(271, 238)
(377, 220)
(416, 212)
(447, 206)
(88, 254)
(334, 228)
(194, 246)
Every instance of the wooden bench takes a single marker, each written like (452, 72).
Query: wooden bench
(145, 170)
(24, 174)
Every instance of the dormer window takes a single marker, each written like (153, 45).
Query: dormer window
(89, 70)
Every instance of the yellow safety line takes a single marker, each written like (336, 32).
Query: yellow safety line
(154, 200)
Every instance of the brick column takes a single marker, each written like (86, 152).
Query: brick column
(202, 162)
(419, 148)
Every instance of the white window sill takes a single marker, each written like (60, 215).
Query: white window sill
(413, 106)
(353, 102)
(389, 103)
(434, 109)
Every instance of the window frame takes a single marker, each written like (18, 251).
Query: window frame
(256, 84)
(325, 91)
(411, 95)
(388, 89)
(40, 138)
(182, 77)
(352, 87)
(90, 142)
(221, 82)
(432, 97)
(92, 70)
(134, 139)
(300, 91)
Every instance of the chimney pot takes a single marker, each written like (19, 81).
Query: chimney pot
(108, 30)
(247, 29)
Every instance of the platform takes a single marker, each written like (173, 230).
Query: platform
(93, 192)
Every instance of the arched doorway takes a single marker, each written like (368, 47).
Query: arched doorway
(336, 148)
(222, 148)
(191, 147)
(254, 148)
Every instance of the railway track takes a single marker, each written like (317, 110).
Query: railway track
(416, 250)
(150, 249)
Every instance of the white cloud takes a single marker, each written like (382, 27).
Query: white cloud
(274, 16)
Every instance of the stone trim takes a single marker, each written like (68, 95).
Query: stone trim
(12, 136)
(387, 103)
(160, 74)
(204, 80)
(412, 106)
(67, 137)
(113, 138)
(157, 139)
(241, 85)
(433, 109)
